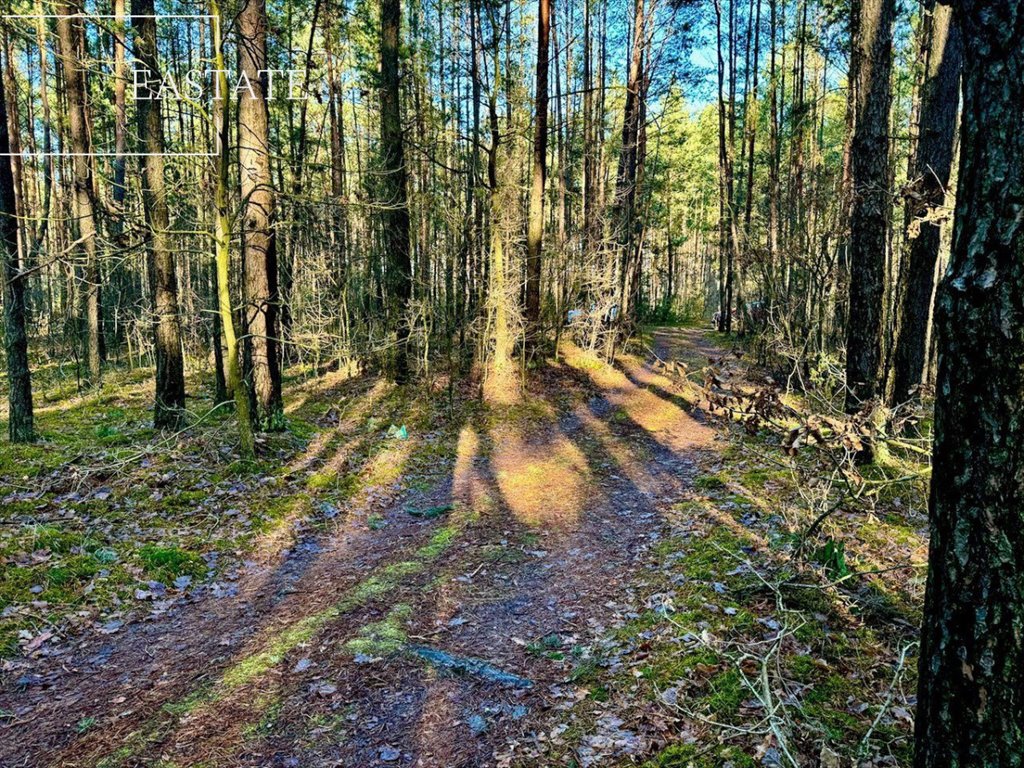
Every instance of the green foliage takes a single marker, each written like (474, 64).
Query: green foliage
(832, 556)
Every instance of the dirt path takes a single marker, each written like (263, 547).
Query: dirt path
(431, 640)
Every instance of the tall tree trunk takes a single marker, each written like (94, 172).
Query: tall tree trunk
(48, 160)
(394, 189)
(591, 232)
(84, 200)
(750, 125)
(728, 238)
(774, 157)
(869, 221)
(626, 182)
(120, 108)
(19, 393)
(501, 384)
(928, 178)
(298, 174)
(170, 366)
(535, 223)
(222, 241)
(259, 242)
(970, 711)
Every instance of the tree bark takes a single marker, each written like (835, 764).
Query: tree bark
(120, 98)
(84, 198)
(535, 224)
(222, 242)
(928, 178)
(626, 181)
(19, 395)
(259, 242)
(970, 708)
(394, 190)
(169, 404)
(501, 384)
(869, 221)
(728, 235)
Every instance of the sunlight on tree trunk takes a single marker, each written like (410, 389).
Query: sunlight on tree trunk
(222, 243)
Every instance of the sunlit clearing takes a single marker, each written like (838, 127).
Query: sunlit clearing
(544, 482)
(347, 424)
(669, 424)
(319, 386)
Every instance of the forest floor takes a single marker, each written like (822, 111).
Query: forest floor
(603, 574)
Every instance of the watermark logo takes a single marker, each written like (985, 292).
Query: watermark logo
(196, 85)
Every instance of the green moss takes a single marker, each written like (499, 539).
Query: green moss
(72, 569)
(834, 688)
(189, 703)
(727, 693)
(756, 477)
(809, 632)
(320, 481)
(15, 583)
(54, 539)
(185, 500)
(633, 628)
(698, 756)
(168, 563)
(802, 668)
(8, 643)
(709, 482)
(270, 709)
(838, 725)
(668, 546)
(27, 460)
(495, 553)
(667, 668)
(248, 467)
(888, 530)
(586, 671)
(382, 638)
(548, 647)
(439, 542)
(707, 557)
(258, 664)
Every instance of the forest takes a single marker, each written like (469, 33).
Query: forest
(512, 383)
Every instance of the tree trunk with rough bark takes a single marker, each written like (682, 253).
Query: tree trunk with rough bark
(19, 391)
(169, 404)
(869, 220)
(262, 302)
(928, 178)
(628, 170)
(222, 243)
(394, 190)
(971, 675)
(84, 195)
(535, 221)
